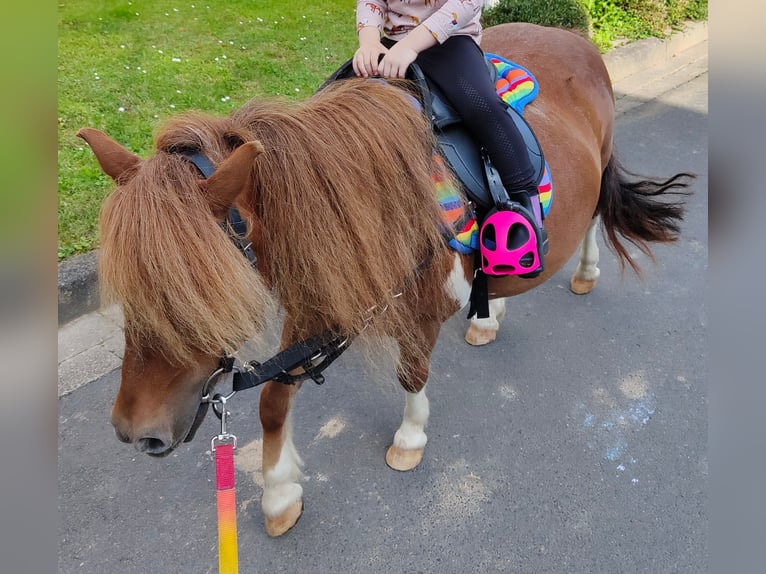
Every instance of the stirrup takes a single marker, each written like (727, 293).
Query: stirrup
(511, 243)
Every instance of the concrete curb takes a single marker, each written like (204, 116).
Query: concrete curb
(78, 287)
(637, 56)
(78, 277)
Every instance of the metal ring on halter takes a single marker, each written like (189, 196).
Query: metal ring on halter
(246, 368)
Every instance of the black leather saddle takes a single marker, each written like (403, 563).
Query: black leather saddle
(480, 181)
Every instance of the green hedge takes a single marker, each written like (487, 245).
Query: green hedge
(605, 21)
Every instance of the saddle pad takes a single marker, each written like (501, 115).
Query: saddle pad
(516, 86)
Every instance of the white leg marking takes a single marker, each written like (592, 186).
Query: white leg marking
(410, 434)
(280, 483)
(587, 268)
(457, 286)
(496, 314)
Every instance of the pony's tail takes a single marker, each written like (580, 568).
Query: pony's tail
(633, 211)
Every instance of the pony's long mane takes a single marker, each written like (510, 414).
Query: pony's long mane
(345, 201)
(183, 287)
(343, 204)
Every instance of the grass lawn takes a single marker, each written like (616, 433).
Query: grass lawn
(125, 66)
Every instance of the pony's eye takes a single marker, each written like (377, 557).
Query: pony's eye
(233, 140)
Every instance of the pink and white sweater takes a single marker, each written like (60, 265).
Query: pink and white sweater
(443, 18)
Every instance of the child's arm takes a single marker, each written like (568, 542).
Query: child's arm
(370, 16)
(399, 57)
(453, 17)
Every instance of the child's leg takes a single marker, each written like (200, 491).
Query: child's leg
(458, 67)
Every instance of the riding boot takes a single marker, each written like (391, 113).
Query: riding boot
(529, 199)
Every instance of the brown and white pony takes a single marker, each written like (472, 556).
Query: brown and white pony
(338, 195)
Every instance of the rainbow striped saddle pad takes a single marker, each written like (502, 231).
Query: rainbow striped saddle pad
(516, 86)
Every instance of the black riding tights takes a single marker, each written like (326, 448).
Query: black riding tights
(458, 68)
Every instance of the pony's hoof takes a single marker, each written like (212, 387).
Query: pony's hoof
(403, 459)
(581, 286)
(278, 525)
(478, 337)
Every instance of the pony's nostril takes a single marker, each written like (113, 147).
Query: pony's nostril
(151, 445)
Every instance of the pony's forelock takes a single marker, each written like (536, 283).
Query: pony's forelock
(183, 287)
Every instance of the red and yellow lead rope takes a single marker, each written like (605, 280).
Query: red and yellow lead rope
(228, 562)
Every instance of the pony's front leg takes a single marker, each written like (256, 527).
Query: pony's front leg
(410, 439)
(282, 501)
(585, 276)
(483, 331)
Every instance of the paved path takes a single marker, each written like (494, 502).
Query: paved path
(579, 447)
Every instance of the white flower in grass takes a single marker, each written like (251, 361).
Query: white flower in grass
(175, 59)
(120, 109)
(260, 20)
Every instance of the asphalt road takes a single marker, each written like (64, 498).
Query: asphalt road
(577, 442)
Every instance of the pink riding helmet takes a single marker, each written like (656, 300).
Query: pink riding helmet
(508, 244)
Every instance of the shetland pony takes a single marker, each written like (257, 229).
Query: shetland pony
(338, 194)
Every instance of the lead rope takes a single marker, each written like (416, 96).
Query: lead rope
(223, 445)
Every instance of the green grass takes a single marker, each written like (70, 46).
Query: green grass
(125, 66)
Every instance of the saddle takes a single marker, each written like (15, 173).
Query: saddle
(473, 168)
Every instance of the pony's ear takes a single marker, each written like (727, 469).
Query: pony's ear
(113, 158)
(232, 177)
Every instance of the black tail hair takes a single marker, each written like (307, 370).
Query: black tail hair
(633, 211)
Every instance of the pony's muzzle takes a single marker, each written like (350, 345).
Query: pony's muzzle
(154, 442)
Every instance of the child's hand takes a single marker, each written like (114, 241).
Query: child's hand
(366, 58)
(395, 63)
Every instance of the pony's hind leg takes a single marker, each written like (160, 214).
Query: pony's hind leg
(483, 331)
(410, 439)
(282, 501)
(585, 276)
